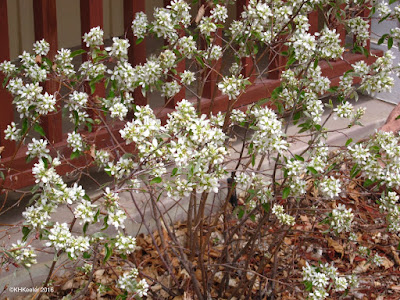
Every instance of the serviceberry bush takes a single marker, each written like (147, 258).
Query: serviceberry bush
(186, 160)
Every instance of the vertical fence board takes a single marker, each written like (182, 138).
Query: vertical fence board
(313, 21)
(45, 20)
(6, 112)
(137, 52)
(92, 16)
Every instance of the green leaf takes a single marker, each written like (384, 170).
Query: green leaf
(25, 126)
(39, 129)
(253, 160)
(85, 227)
(240, 213)
(354, 171)
(316, 63)
(108, 253)
(368, 182)
(5, 81)
(25, 231)
(382, 39)
(285, 192)
(156, 180)
(198, 58)
(138, 41)
(348, 142)
(298, 157)
(312, 170)
(96, 216)
(290, 61)
(174, 171)
(105, 223)
(275, 93)
(92, 87)
(77, 52)
(86, 255)
(267, 207)
(390, 42)
(2, 175)
(75, 154)
(398, 117)
(308, 285)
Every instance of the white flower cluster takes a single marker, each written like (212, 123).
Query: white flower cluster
(37, 148)
(304, 45)
(140, 24)
(28, 96)
(41, 47)
(23, 254)
(329, 46)
(8, 68)
(330, 187)
(326, 278)
(63, 61)
(233, 86)
(383, 9)
(389, 205)
(187, 77)
(119, 48)
(382, 158)
(319, 157)
(61, 239)
(207, 26)
(269, 135)
(90, 70)
(125, 244)
(360, 28)
(187, 46)
(94, 37)
(284, 218)
(314, 106)
(341, 219)
(378, 77)
(145, 125)
(129, 283)
(12, 133)
(85, 211)
(344, 110)
(75, 141)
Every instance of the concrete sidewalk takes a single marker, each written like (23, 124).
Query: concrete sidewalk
(376, 114)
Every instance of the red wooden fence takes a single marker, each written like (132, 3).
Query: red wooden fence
(45, 23)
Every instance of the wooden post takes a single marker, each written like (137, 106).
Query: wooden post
(313, 21)
(137, 52)
(45, 20)
(6, 111)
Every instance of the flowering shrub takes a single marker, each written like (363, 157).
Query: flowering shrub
(188, 159)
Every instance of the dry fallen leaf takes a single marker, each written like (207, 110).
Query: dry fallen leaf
(336, 246)
(362, 267)
(200, 14)
(387, 263)
(38, 59)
